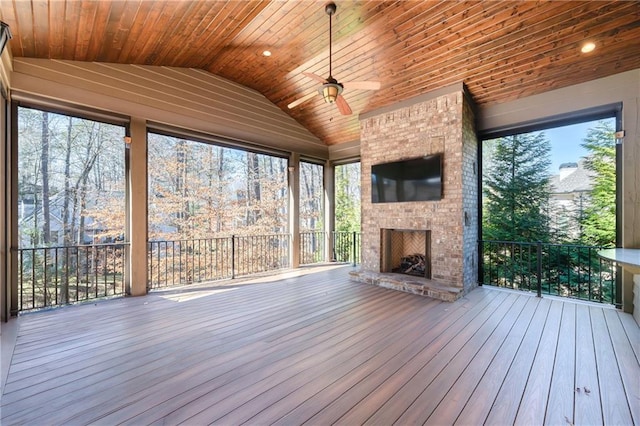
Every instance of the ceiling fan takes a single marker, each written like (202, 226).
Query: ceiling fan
(330, 89)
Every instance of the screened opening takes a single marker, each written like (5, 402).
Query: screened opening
(548, 205)
(346, 247)
(71, 208)
(214, 212)
(312, 236)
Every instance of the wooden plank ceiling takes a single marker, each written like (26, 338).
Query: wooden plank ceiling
(502, 50)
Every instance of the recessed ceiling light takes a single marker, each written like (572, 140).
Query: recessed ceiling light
(266, 53)
(588, 47)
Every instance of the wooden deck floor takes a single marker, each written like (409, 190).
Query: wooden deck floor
(319, 349)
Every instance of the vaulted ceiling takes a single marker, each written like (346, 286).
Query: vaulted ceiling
(502, 50)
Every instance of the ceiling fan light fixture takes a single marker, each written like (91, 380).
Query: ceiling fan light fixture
(330, 91)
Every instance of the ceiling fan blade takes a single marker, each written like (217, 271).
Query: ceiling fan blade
(363, 85)
(315, 77)
(305, 98)
(343, 106)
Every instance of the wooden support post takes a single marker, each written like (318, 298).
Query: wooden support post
(294, 209)
(329, 210)
(137, 209)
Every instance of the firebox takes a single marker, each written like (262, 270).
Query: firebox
(405, 251)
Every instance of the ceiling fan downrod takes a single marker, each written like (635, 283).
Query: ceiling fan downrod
(330, 9)
(331, 89)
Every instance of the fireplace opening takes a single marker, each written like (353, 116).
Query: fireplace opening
(406, 252)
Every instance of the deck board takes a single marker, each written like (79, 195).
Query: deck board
(404, 397)
(353, 398)
(611, 384)
(588, 409)
(626, 360)
(138, 345)
(633, 333)
(349, 346)
(485, 391)
(492, 332)
(507, 401)
(319, 349)
(561, 394)
(534, 400)
(449, 409)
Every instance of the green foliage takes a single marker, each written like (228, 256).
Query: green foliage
(566, 270)
(516, 189)
(516, 208)
(311, 197)
(599, 221)
(347, 181)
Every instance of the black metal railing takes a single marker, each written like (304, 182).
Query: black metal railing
(54, 276)
(180, 262)
(556, 269)
(312, 247)
(183, 262)
(347, 246)
(260, 253)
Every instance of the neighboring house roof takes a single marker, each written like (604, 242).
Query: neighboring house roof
(56, 211)
(575, 178)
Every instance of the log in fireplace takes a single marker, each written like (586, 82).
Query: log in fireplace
(413, 264)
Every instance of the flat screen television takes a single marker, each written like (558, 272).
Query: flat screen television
(416, 179)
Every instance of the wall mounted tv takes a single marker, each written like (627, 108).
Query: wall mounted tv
(416, 179)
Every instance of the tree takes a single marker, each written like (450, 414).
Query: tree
(599, 221)
(253, 188)
(59, 178)
(516, 189)
(44, 161)
(348, 197)
(208, 191)
(311, 195)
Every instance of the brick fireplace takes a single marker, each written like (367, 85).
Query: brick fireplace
(444, 231)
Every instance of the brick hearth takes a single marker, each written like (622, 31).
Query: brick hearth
(408, 284)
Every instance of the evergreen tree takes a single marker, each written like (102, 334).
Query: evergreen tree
(516, 189)
(599, 221)
(347, 179)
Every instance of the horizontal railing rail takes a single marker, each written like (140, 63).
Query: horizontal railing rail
(556, 269)
(180, 262)
(347, 247)
(54, 276)
(312, 247)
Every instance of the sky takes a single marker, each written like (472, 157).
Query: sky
(565, 144)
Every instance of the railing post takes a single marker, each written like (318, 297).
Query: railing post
(539, 267)
(354, 248)
(480, 263)
(233, 256)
